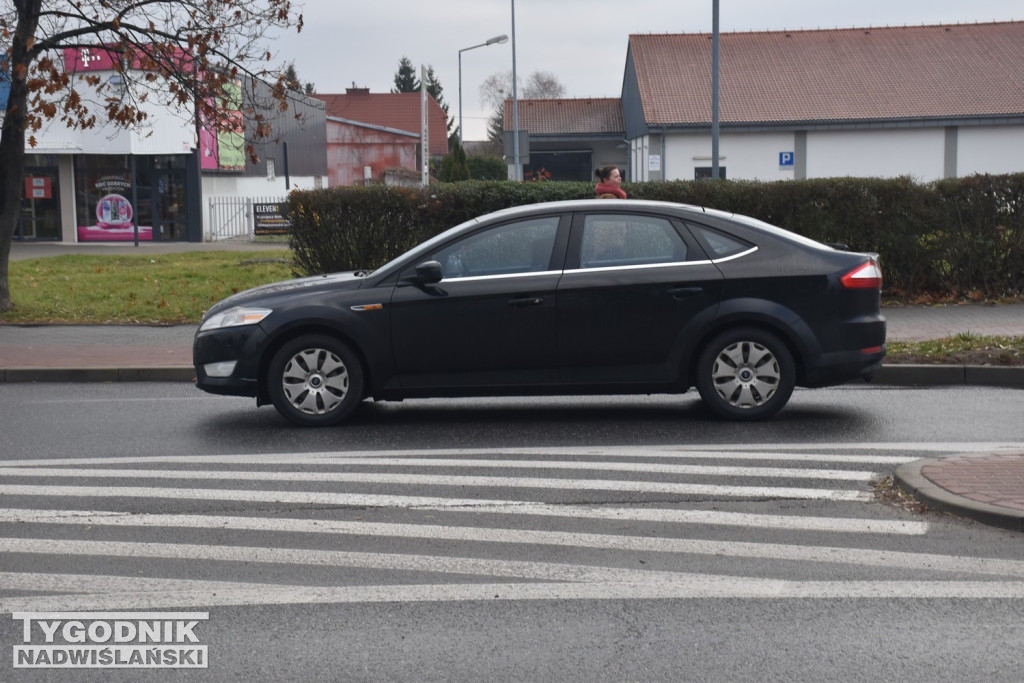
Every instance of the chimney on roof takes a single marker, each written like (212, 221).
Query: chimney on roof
(357, 91)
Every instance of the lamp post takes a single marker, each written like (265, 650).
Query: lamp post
(495, 40)
(714, 91)
(515, 101)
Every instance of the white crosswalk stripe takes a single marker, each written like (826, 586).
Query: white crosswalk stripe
(428, 527)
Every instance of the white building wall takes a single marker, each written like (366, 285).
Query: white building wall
(990, 150)
(237, 186)
(165, 130)
(753, 156)
(639, 159)
(745, 156)
(915, 152)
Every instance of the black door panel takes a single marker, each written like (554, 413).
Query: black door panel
(622, 310)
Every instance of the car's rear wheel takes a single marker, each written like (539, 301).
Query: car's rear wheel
(315, 381)
(745, 374)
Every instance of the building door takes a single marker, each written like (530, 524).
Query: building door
(40, 206)
(169, 210)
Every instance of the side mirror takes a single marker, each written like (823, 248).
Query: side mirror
(429, 272)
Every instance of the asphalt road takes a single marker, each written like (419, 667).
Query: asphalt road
(538, 539)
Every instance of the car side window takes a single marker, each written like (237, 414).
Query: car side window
(521, 247)
(720, 245)
(618, 240)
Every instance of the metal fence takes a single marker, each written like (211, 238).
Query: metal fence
(231, 218)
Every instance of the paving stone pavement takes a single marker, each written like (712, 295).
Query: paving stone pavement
(988, 487)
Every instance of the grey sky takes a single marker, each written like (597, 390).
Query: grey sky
(582, 42)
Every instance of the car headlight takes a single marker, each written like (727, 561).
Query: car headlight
(234, 317)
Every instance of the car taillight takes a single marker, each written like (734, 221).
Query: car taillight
(865, 276)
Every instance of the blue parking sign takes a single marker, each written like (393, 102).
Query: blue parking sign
(786, 159)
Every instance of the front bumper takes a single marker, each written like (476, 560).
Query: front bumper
(212, 350)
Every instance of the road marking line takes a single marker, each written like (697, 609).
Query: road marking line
(772, 452)
(329, 498)
(519, 569)
(249, 475)
(661, 515)
(890, 559)
(687, 588)
(795, 452)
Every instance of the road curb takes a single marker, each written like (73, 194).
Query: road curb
(910, 479)
(1011, 377)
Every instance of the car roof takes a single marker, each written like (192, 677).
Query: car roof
(580, 204)
(673, 207)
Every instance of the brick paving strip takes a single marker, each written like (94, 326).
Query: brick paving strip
(990, 479)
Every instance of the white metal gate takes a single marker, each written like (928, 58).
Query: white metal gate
(231, 218)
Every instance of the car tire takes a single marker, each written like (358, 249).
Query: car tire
(315, 381)
(745, 374)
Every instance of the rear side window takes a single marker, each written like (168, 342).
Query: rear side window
(719, 245)
(612, 240)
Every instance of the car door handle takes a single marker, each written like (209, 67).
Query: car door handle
(680, 293)
(525, 301)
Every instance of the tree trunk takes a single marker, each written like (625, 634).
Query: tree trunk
(12, 139)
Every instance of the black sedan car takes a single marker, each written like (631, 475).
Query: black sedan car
(578, 297)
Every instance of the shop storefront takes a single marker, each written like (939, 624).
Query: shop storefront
(119, 197)
(146, 183)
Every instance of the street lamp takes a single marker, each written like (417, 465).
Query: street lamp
(495, 40)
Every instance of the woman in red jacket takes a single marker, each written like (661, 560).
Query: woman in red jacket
(608, 181)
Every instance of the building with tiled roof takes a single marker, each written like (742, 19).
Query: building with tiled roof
(829, 77)
(570, 117)
(371, 136)
(922, 101)
(568, 138)
(400, 111)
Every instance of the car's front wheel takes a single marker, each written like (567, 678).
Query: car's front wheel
(745, 374)
(315, 381)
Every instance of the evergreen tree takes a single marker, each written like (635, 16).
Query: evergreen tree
(455, 167)
(436, 91)
(292, 82)
(405, 77)
(496, 127)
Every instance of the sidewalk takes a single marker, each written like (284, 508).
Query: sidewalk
(988, 487)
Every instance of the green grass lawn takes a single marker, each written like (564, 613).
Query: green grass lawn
(165, 288)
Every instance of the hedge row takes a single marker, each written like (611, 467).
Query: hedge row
(954, 237)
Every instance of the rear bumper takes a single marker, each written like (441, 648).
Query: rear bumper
(850, 350)
(842, 366)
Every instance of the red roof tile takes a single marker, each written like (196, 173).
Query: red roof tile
(961, 70)
(592, 116)
(391, 110)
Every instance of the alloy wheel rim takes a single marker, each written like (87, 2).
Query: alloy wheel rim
(746, 374)
(315, 381)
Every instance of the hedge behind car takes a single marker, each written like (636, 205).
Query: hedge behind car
(962, 236)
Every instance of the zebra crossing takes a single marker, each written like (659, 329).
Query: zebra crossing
(110, 533)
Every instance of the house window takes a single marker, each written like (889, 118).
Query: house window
(704, 173)
(559, 166)
(271, 170)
